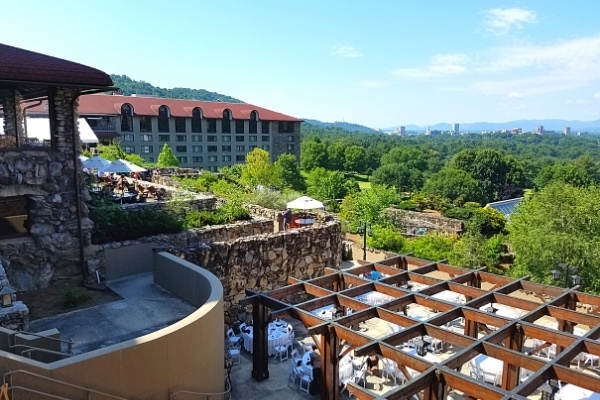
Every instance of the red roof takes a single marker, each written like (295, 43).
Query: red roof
(100, 104)
(24, 66)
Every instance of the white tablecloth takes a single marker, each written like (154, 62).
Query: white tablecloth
(502, 310)
(450, 296)
(374, 298)
(346, 368)
(489, 365)
(324, 312)
(278, 336)
(572, 392)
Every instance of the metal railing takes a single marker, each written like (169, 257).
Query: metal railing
(13, 343)
(8, 378)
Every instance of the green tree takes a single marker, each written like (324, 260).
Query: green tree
(368, 205)
(112, 152)
(287, 167)
(569, 173)
(355, 159)
(326, 185)
(259, 170)
(313, 154)
(166, 158)
(454, 184)
(386, 238)
(335, 156)
(559, 224)
(400, 176)
(411, 157)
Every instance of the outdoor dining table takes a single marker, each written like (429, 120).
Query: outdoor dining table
(305, 221)
(278, 335)
(429, 357)
(450, 296)
(572, 392)
(374, 298)
(346, 366)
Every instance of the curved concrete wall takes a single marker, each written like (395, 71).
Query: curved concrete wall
(187, 355)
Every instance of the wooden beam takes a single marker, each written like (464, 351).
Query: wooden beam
(547, 335)
(472, 387)
(573, 316)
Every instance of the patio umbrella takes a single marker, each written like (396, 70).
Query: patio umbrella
(122, 167)
(95, 162)
(305, 203)
(83, 158)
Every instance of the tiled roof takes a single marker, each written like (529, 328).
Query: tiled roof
(23, 67)
(101, 104)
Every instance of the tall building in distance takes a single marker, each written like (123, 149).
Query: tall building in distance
(567, 130)
(455, 129)
(539, 130)
(400, 130)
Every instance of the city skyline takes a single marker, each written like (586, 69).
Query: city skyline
(397, 63)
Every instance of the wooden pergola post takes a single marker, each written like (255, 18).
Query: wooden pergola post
(260, 356)
(330, 377)
(511, 372)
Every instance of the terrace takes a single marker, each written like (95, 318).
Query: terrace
(448, 331)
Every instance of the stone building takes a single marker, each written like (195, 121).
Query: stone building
(44, 224)
(201, 134)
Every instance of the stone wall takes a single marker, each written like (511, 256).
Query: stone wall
(266, 261)
(407, 221)
(48, 178)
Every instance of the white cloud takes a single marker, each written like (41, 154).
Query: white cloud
(500, 21)
(597, 95)
(346, 51)
(441, 65)
(515, 95)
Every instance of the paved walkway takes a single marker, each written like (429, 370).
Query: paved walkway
(145, 308)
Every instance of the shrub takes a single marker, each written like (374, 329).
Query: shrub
(72, 296)
(409, 205)
(226, 214)
(385, 238)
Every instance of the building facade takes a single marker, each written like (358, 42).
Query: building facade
(201, 134)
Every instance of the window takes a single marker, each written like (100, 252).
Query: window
(240, 158)
(181, 149)
(212, 125)
(129, 149)
(179, 124)
(196, 138)
(126, 118)
(148, 159)
(145, 124)
(163, 138)
(196, 149)
(211, 138)
(181, 138)
(127, 137)
(290, 138)
(146, 137)
(226, 139)
(211, 149)
(239, 126)
(265, 138)
(240, 147)
(147, 149)
(226, 158)
(213, 168)
(266, 127)
(251, 147)
(197, 159)
(182, 159)
(290, 147)
(212, 158)
(225, 148)
(286, 127)
(196, 120)
(226, 122)
(252, 138)
(163, 119)
(239, 138)
(265, 147)
(253, 122)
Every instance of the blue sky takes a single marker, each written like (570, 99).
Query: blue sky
(380, 64)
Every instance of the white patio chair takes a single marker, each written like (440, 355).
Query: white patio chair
(296, 358)
(361, 375)
(281, 352)
(305, 381)
(295, 374)
(236, 357)
(233, 340)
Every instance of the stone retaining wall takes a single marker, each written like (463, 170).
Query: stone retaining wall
(266, 261)
(409, 220)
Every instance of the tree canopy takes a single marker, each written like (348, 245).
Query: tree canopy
(166, 158)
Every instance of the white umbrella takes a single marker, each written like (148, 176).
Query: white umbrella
(95, 162)
(83, 158)
(122, 166)
(305, 203)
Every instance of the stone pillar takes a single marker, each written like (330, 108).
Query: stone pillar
(13, 119)
(15, 317)
(62, 104)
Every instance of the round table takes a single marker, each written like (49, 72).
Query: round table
(278, 335)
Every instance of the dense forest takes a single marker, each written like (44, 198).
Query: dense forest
(129, 86)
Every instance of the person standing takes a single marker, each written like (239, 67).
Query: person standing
(287, 218)
(315, 361)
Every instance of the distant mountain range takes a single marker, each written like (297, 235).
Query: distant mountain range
(341, 125)
(528, 125)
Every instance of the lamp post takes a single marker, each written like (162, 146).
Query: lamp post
(566, 269)
(362, 230)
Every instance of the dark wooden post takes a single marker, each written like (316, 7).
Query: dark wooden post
(511, 373)
(330, 379)
(260, 356)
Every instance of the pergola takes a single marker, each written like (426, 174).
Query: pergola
(485, 332)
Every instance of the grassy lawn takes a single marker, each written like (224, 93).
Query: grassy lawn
(363, 181)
